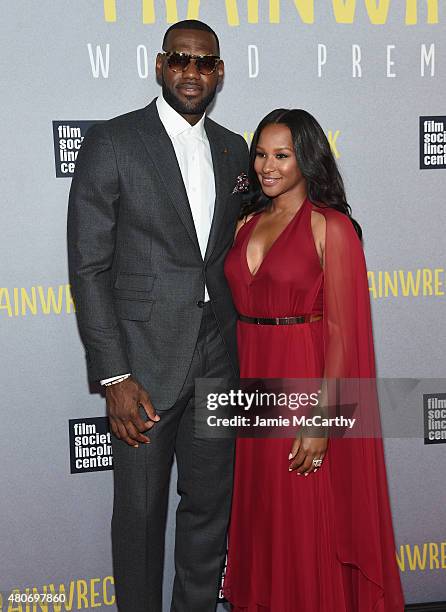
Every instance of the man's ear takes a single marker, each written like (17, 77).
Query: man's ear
(159, 62)
(221, 72)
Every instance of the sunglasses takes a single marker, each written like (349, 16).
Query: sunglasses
(178, 62)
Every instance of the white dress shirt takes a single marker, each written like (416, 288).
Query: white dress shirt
(193, 153)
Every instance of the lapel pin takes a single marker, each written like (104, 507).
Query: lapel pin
(241, 183)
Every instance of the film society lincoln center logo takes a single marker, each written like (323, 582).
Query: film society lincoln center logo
(68, 137)
(90, 445)
(432, 143)
(434, 405)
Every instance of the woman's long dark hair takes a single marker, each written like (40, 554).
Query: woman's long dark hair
(325, 187)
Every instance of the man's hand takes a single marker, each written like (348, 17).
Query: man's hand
(123, 400)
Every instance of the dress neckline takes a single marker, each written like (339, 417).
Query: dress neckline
(271, 248)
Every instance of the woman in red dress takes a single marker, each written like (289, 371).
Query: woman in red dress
(311, 528)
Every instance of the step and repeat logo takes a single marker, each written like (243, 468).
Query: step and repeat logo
(420, 557)
(83, 593)
(432, 143)
(90, 445)
(68, 137)
(342, 11)
(405, 283)
(36, 300)
(434, 405)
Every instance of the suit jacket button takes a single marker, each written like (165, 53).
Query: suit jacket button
(200, 304)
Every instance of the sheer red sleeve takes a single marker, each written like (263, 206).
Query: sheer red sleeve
(365, 540)
(348, 332)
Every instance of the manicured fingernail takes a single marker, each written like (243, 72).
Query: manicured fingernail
(306, 474)
(315, 470)
(290, 469)
(135, 445)
(290, 456)
(298, 473)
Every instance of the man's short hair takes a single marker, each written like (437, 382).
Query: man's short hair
(191, 24)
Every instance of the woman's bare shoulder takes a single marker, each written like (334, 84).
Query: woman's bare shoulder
(318, 225)
(326, 218)
(241, 222)
(336, 225)
(317, 218)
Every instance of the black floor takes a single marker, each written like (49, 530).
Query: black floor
(437, 606)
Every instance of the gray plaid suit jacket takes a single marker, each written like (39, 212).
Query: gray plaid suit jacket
(136, 271)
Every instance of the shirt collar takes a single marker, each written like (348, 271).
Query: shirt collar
(175, 124)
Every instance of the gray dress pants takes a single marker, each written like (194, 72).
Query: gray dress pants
(141, 486)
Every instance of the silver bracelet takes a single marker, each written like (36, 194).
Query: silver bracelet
(118, 380)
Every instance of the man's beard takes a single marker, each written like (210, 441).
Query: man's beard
(191, 107)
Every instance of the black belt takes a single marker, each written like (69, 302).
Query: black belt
(307, 318)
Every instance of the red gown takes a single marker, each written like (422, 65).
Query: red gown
(323, 542)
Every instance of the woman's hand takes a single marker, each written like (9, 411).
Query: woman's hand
(303, 451)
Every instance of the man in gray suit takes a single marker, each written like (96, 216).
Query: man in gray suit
(152, 215)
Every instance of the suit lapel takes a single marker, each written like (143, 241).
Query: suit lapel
(219, 153)
(160, 148)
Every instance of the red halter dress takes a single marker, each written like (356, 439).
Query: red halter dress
(323, 542)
